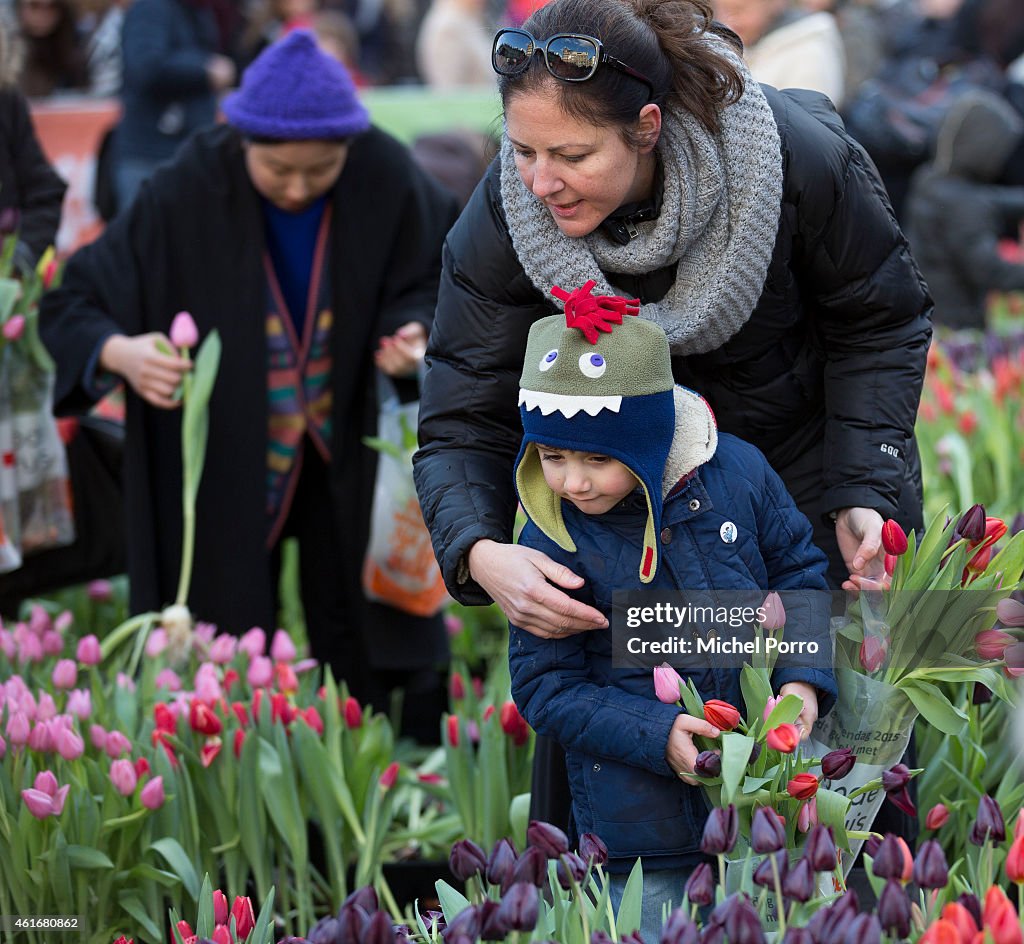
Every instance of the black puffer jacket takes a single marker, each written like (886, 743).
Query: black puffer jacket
(824, 378)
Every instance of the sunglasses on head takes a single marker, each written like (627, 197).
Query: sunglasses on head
(569, 57)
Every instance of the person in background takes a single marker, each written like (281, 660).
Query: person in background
(31, 192)
(788, 47)
(956, 210)
(271, 20)
(54, 60)
(453, 48)
(312, 242)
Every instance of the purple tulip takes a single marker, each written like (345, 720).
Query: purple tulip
(888, 861)
(894, 783)
(633, 937)
(971, 903)
(837, 764)
(972, 525)
(743, 924)
(755, 752)
(549, 839)
(797, 936)
(713, 934)
(10, 218)
(871, 846)
(989, 824)
(1010, 612)
(593, 850)
(531, 867)
(764, 875)
(708, 764)
(501, 861)
(930, 867)
(863, 929)
(519, 907)
(492, 927)
(820, 849)
(700, 886)
(799, 883)
(980, 694)
(570, 870)
(325, 931)
(600, 937)
(379, 930)
(679, 929)
(720, 831)
(766, 832)
(894, 909)
(466, 860)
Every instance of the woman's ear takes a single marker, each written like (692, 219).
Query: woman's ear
(648, 127)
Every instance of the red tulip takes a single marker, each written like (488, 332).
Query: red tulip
(203, 719)
(891, 560)
(312, 717)
(937, 816)
(894, 540)
(165, 718)
(239, 742)
(957, 915)
(220, 907)
(245, 920)
(287, 680)
(390, 775)
(209, 751)
(802, 786)
(457, 687)
(721, 714)
(1015, 862)
(513, 724)
(1001, 919)
(452, 724)
(784, 738)
(941, 932)
(353, 713)
(221, 935)
(873, 652)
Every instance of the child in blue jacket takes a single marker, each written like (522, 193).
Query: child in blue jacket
(625, 480)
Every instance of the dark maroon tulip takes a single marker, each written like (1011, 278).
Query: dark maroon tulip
(816, 925)
(894, 783)
(353, 920)
(766, 832)
(764, 875)
(549, 839)
(871, 845)
(797, 936)
(1017, 525)
(820, 849)
(888, 862)
(632, 938)
(708, 764)
(492, 928)
(570, 869)
(600, 937)
(325, 931)
(989, 824)
(720, 831)
(864, 929)
(365, 897)
(679, 929)
(593, 850)
(466, 922)
(403, 934)
(743, 924)
(459, 937)
(700, 886)
(9, 219)
(930, 867)
(971, 903)
(837, 764)
(799, 882)
(501, 861)
(972, 525)
(466, 860)
(894, 909)
(713, 934)
(379, 930)
(531, 866)
(518, 907)
(838, 916)
(980, 694)
(432, 918)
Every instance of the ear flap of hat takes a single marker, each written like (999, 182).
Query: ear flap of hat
(649, 554)
(542, 505)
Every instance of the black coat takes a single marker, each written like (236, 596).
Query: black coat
(193, 241)
(27, 181)
(824, 378)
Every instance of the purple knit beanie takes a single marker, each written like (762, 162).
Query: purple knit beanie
(294, 92)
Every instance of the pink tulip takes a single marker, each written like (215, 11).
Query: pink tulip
(123, 777)
(40, 738)
(30, 649)
(452, 624)
(46, 781)
(253, 643)
(80, 703)
(157, 642)
(282, 649)
(774, 612)
(3, 747)
(223, 649)
(808, 815)
(1014, 656)
(69, 745)
(7, 645)
(206, 684)
(666, 684)
(117, 744)
(39, 620)
(305, 665)
(769, 707)
(873, 652)
(63, 621)
(152, 795)
(98, 736)
(40, 805)
(168, 678)
(52, 643)
(46, 708)
(204, 633)
(65, 674)
(125, 681)
(27, 704)
(88, 651)
(221, 911)
(100, 591)
(990, 644)
(14, 327)
(260, 673)
(1010, 612)
(183, 330)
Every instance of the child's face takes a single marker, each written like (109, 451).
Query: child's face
(592, 482)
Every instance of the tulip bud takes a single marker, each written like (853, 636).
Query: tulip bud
(766, 832)
(593, 850)
(513, 724)
(764, 874)
(700, 886)
(799, 882)
(220, 907)
(390, 775)
(183, 330)
(837, 764)
(873, 652)
(720, 831)
(152, 795)
(221, 935)
(743, 924)
(88, 650)
(807, 816)
(14, 327)
(123, 777)
(894, 783)
(708, 764)
(1010, 612)
(989, 825)
(519, 907)
(531, 866)
(930, 868)
(10, 217)
(820, 849)
(802, 786)
(783, 738)
(990, 644)
(466, 860)
(245, 919)
(203, 719)
(774, 612)
(65, 674)
(325, 931)
(452, 726)
(755, 752)
(353, 713)
(1001, 921)
(69, 745)
(864, 929)
(769, 707)
(937, 816)
(457, 687)
(364, 897)
(501, 861)
(889, 563)
(679, 929)
(115, 744)
(894, 910)
(889, 861)
(667, 684)
(795, 935)
(971, 525)
(570, 870)
(894, 539)
(721, 714)
(549, 839)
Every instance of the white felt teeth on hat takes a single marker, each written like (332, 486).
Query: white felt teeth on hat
(568, 406)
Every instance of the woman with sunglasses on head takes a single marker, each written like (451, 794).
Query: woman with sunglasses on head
(751, 228)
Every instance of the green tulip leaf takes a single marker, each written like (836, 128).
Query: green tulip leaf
(178, 860)
(628, 918)
(736, 750)
(263, 930)
(128, 900)
(204, 919)
(786, 711)
(452, 902)
(935, 708)
(82, 857)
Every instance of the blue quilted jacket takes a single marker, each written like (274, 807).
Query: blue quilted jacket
(613, 728)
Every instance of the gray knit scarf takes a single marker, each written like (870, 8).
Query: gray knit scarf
(718, 223)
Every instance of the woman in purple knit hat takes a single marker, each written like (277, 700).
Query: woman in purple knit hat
(311, 241)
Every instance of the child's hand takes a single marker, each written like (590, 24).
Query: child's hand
(809, 713)
(681, 752)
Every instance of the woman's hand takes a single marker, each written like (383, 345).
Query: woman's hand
(401, 353)
(859, 535)
(681, 752)
(152, 374)
(808, 694)
(517, 579)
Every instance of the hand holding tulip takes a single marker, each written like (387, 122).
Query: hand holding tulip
(151, 373)
(681, 752)
(400, 354)
(809, 713)
(859, 535)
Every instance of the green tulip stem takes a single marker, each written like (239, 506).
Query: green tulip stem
(1020, 897)
(114, 639)
(385, 893)
(188, 507)
(578, 897)
(721, 874)
(780, 904)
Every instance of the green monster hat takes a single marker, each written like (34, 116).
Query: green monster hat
(597, 380)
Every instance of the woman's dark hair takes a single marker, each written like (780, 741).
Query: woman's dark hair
(55, 62)
(663, 39)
